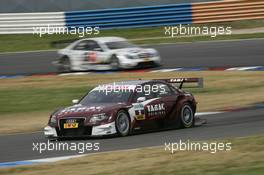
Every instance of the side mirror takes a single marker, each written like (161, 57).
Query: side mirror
(141, 99)
(75, 101)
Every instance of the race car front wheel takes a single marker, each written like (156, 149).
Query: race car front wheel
(122, 123)
(187, 116)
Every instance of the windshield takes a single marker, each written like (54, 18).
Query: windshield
(119, 45)
(98, 96)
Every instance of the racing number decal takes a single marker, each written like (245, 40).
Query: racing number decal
(139, 111)
(92, 56)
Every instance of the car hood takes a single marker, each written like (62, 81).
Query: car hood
(88, 110)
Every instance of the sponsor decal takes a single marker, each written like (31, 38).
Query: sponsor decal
(70, 123)
(157, 109)
(139, 111)
(176, 80)
(92, 56)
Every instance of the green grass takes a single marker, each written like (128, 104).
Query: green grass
(245, 158)
(38, 99)
(43, 99)
(43, 94)
(27, 42)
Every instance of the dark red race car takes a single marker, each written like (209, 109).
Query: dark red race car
(126, 107)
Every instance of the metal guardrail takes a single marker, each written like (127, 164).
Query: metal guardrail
(147, 16)
(22, 23)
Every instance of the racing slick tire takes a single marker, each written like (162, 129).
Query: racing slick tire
(186, 116)
(64, 65)
(114, 63)
(122, 123)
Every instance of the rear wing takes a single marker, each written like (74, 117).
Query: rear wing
(197, 81)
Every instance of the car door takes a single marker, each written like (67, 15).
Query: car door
(78, 51)
(154, 108)
(95, 53)
(166, 96)
(88, 51)
(151, 111)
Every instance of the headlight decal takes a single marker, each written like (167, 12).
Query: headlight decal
(131, 57)
(98, 117)
(53, 119)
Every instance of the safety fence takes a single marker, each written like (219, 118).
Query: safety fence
(132, 17)
(22, 23)
(147, 16)
(227, 11)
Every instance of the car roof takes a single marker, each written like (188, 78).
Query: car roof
(106, 39)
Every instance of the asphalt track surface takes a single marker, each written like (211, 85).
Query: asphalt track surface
(225, 125)
(199, 54)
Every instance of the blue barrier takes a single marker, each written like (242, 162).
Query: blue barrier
(147, 16)
(144, 8)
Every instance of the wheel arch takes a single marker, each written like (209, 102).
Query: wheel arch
(126, 110)
(176, 114)
(129, 117)
(183, 99)
(111, 56)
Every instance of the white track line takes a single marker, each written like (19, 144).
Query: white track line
(207, 113)
(243, 68)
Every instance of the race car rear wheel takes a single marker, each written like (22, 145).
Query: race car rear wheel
(122, 123)
(114, 63)
(187, 116)
(65, 65)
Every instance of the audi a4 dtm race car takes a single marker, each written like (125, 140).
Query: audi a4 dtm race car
(125, 107)
(104, 53)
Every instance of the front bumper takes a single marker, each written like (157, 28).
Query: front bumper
(138, 63)
(101, 130)
(50, 131)
(124, 64)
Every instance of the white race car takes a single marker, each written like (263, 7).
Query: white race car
(105, 53)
